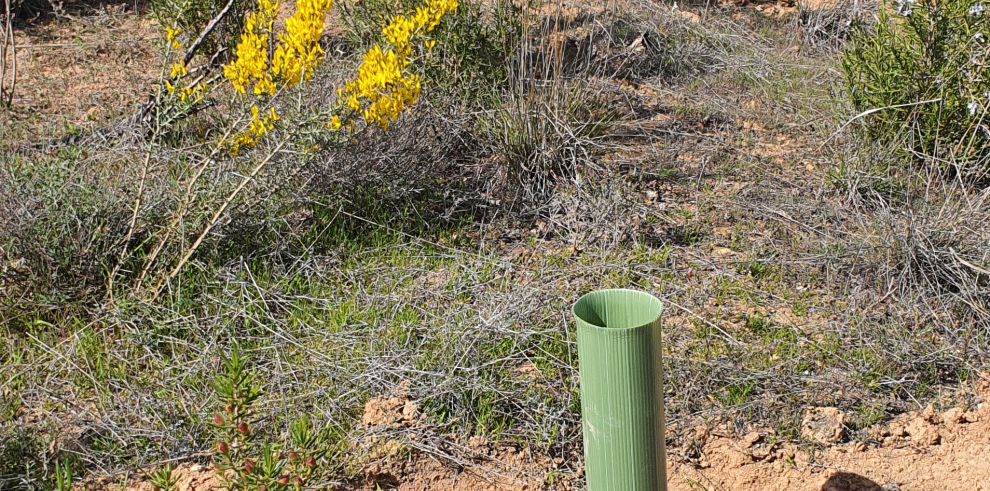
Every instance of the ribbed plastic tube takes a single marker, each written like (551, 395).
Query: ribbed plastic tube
(619, 356)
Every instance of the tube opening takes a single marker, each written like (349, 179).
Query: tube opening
(618, 309)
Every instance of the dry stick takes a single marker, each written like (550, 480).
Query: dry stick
(3, 50)
(216, 216)
(13, 55)
(182, 211)
(967, 263)
(146, 108)
(206, 32)
(137, 201)
(869, 112)
(8, 40)
(134, 214)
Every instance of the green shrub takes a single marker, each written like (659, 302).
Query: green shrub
(192, 17)
(246, 462)
(468, 59)
(925, 51)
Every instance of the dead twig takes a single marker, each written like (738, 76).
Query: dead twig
(206, 32)
(219, 213)
(7, 44)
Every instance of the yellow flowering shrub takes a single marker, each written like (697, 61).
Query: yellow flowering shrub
(259, 127)
(299, 50)
(295, 57)
(251, 63)
(170, 36)
(175, 86)
(384, 85)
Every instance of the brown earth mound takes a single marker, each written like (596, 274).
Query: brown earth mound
(924, 450)
(919, 451)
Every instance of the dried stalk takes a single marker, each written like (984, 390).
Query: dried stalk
(206, 32)
(217, 215)
(7, 42)
(186, 200)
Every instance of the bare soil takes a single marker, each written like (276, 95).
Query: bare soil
(85, 71)
(922, 450)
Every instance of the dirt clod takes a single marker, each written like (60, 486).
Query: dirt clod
(398, 411)
(823, 425)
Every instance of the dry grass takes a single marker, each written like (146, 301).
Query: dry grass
(794, 274)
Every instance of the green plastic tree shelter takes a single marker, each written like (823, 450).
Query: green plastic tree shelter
(618, 334)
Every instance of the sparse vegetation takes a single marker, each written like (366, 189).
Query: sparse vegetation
(167, 297)
(246, 462)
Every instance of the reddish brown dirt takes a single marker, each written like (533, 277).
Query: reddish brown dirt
(924, 450)
(87, 69)
(921, 451)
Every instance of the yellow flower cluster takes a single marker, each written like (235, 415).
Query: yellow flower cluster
(401, 29)
(251, 64)
(170, 35)
(178, 69)
(293, 60)
(299, 50)
(296, 56)
(194, 93)
(259, 127)
(383, 86)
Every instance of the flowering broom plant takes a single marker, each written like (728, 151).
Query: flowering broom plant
(263, 67)
(265, 64)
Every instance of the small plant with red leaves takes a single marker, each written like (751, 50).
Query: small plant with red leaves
(245, 463)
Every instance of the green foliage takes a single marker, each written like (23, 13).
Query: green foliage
(61, 219)
(926, 51)
(757, 269)
(736, 394)
(192, 16)
(247, 463)
(472, 46)
(163, 479)
(63, 477)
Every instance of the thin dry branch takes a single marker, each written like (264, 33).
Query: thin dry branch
(218, 214)
(7, 43)
(206, 32)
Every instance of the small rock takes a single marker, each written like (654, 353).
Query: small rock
(971, 417)
(823, 425)
(897, 430)
(878, 432)
(922, 431)
(701, 432)
(763, 452)
(750, 439)
(789, 451)
(953, 416)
